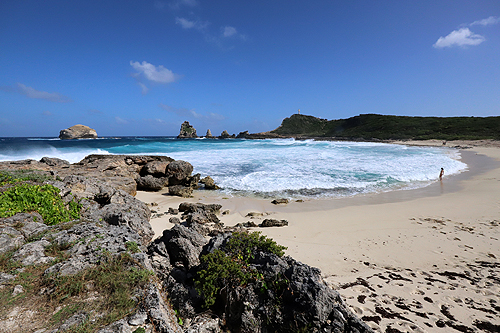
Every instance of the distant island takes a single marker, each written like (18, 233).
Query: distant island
(384, 127)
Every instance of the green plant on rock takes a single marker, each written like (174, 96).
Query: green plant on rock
(230, 267)
(132, 247)
(44, 199)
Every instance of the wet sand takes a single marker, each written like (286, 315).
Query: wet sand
(425, 260)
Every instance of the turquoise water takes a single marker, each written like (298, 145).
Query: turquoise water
(273, 167)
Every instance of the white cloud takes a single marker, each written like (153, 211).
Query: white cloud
(158, 74)
(144, 88)
(229, 31)
(120, 120)
(461, 37)
(191, 113)
(187, 24)
(487, 21)
(33, 93)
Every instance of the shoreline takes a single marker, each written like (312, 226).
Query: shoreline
(400, 243)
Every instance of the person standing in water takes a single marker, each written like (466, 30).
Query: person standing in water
(441, 174)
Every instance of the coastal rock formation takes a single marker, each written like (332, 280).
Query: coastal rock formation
(209, 183)
(187, 131)
(243, 135)
(288, 297)
(125, 172)
(78, 132)
(226, 135)
(209, 134)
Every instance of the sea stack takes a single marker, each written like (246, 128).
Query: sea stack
(209, 134)
(78, 132)
(187, 131)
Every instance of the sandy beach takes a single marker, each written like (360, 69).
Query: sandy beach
(425, 260)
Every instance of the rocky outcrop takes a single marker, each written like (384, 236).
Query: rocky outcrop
(126, 172)
(226, 135)
(187, 131)
(78, 132)
(243, 135)
(287, 296)
(209, 183)
(209, 134)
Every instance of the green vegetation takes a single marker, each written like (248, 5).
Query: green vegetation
(383, 127)
(132, 247)
(44, 199)
(231, 267)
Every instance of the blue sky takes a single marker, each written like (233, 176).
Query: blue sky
(140, 67)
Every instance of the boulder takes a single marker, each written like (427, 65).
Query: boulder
(155, 168)
(150, 183)
(273, 223)
(54, 161)
(178, 171)
(187, 131)
(180, 191)
(78, 132)
(209, 183)
(280, 201)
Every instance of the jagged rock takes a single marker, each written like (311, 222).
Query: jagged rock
(73, 321)
(209, 183)
(273, 223)
(161, 315)
(280, 201)
(10, 239)
(187, 131)
(78, 132)
(53, 161)
(4, 277)
(204, 325)
(150, 183)
(300, 300)
(200, 213)
(173, 211)
(138, 318)
(180, 191)
(224, 135)
(28, 224)
(243, 135)
(209, 134)
(33, 253)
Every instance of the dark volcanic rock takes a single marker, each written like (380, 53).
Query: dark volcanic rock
(78, 132)
(187, 131)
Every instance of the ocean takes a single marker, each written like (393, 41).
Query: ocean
(269, 168)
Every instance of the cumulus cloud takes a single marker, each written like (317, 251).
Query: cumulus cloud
(191, 113)
(158, 74)
(487, 21)
(462, 37)
(38, 94)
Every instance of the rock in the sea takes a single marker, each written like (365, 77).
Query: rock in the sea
(209, 134)
(187, 131)
(242, 135)
(225, 135)
(78, 132)
(209, 183)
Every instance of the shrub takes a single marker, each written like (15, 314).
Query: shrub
(230, 267)
(44, 199)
